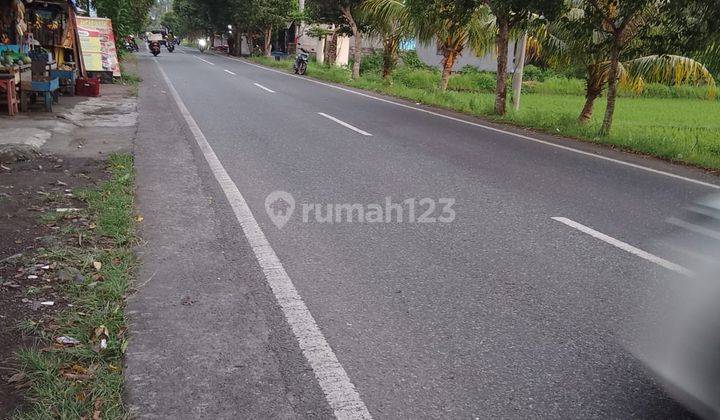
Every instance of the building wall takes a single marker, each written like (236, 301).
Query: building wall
(430, 56)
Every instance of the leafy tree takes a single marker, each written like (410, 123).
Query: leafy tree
(170, 20)
(349, 11)
(128, 16)
(269, 14)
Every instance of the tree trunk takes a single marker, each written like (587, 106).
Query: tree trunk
(449, 57)
(593, 89)
(390, 56)
(238, 43)
(251, 42)
(331, 51)
(612, 87)
(267, 48)
(357, 53)
(502, 52)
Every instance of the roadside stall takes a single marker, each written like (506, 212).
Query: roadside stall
(14, 63)
(53, 50)
(38, 51)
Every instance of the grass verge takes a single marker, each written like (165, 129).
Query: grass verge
(678, 130)
(128, 77)
(76, 372)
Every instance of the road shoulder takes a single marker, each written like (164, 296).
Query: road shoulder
(208, 338)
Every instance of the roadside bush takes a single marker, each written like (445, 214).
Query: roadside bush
(417, 78)
(371, 63)
(410, 59)
(556, 85)
(473, 81)
(535, 73)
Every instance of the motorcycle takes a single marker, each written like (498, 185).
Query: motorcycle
(202, 44)
(155, 48)
(301, 62)
(131, 45)
(170, 45)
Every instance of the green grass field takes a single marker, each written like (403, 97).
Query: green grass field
(672, 126)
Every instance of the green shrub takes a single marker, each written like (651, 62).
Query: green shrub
(416, 78)
(469, 69)
(473, 81)
(535, 73)
(557, 85)
(371, 63)
(410, 59)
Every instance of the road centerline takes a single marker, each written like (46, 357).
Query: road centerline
(340, 393)
(625, 246)
(344, 124)
(263, 87)
(202, 59)
(487, 127)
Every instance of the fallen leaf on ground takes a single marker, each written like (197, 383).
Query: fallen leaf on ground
(76, 376)
(17, 377)
(96, 409)
(97, 265)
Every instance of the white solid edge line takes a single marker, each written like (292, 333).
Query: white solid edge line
(263, 87)
(497, 130)
(344, 124)
(228, 71)
(202, 59)
(340, 393)
(624, 246)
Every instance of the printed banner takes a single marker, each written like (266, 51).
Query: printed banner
(97, 44)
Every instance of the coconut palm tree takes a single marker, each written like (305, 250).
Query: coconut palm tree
(390, 21)
(574, 40)
(453, 26)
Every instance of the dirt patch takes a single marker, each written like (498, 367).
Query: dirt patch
(31, 193)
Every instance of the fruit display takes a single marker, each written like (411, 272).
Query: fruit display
(8, 59)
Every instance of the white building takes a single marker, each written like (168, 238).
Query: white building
(431, 55)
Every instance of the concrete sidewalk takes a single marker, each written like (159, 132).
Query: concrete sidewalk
(208, 340)
(79, 126)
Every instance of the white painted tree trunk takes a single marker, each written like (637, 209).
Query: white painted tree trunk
(320, 51)
(518, 74)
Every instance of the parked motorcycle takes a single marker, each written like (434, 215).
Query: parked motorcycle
(155, 48)
(301, 62)
(131, 45)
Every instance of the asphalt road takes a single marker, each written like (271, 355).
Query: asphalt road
(502, 313)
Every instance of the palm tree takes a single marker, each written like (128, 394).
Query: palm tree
(390, 21)
(573, 40)
(452, 26)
